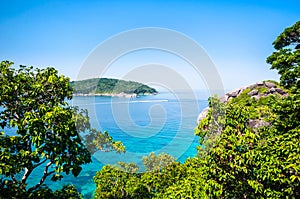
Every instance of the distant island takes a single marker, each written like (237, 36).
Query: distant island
(110, 87)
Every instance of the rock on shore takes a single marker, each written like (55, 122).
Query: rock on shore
(257, 90)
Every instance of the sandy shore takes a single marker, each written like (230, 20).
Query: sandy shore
(125, 95)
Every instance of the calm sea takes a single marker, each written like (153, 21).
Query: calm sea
(154, 123)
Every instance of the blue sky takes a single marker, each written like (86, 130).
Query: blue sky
(237, 35)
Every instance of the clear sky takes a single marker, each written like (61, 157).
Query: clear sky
(237, 35)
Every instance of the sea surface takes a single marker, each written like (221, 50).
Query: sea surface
(155, 123)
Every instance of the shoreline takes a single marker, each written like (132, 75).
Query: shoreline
(122, 94)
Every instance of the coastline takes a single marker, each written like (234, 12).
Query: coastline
(122, 94)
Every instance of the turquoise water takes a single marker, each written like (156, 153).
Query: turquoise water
(159, 123)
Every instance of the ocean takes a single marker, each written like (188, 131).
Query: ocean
(154, 123)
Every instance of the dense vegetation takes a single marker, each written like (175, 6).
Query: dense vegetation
(124, 180)
(46, 132)
(110, 86)
(235, 159)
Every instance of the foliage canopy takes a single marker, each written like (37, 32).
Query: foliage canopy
(236, 158)
(41, 129)
(110, 86)
(286, 58)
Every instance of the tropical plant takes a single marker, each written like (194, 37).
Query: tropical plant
(286, 58)
(40, 129)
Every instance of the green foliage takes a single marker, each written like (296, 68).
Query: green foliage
(67, 192)
(33, 102)
(255, 163)
(157, 163)
(95, 140)
(286, 58)
(237, 161)
(114, 182)
(187, 181)
(211, 126)
(124, 181)
(250, 148)
(110, 86)
(42, 192)
(258, 161)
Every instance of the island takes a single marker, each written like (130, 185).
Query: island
(110, 87)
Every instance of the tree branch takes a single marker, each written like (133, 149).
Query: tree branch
(29, 145)
(17, 116)
(14, 178)
(26, 174)
(38, 164)
(46, 174)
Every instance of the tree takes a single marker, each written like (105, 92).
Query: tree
(121, 181)
(249, 146)
(262, 162)
(184, 181)
(124, 180)
(247, 162)
(286, 58)
(46, 128)
(156, 163)
(210, 127)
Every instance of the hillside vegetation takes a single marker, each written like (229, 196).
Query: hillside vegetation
(249, 141)
(249, 144)
(248, 149)
(110, 86)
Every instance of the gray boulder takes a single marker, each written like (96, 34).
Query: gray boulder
(260, 83)
(253, 92)
(203, 114)
(280, 91)
(270, 85)
(234, 93)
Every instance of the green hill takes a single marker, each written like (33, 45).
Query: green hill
(108, 86)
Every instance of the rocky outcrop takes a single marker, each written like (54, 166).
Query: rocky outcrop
(270, 84)
(203, 114)
(255, 91)
(256, 124)
(267, 86)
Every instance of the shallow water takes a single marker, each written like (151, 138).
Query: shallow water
(159, 123)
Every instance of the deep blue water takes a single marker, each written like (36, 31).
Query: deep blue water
(156, 123)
